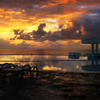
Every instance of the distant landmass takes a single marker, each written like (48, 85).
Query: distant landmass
(38, 51)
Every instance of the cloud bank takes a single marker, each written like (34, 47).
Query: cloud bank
(86, 26)
(48, 23)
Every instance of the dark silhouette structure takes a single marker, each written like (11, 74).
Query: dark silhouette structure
(94, 56)
(94, 44)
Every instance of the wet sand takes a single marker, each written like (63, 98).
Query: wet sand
(52, 86)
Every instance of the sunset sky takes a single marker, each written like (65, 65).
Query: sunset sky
(52, 24)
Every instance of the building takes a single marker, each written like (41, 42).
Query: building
(94, 47)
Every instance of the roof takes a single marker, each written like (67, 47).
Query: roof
(90, 41)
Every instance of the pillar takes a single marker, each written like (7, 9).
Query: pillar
(92, 48)
(92, 52)
(97, 48)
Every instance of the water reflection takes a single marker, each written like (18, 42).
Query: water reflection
(50, 68)
(94, 66)
(29, 58)
(47, 62)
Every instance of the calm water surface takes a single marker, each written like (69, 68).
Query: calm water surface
(53, 82)
(50, 62)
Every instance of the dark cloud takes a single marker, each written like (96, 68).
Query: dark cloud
(19, 34)
(92, 29)
(41, 35)
(89, 21)
(30, 2)
(64, 34)
(40, 32)
(91, 24)
(51, 6)
(18, 3)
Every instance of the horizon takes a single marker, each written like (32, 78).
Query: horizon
(40, 51)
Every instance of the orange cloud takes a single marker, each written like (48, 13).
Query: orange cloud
(12, 19)
(54, 13)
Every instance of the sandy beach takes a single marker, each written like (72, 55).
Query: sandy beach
(52, 85)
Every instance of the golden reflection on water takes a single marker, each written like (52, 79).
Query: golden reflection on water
(45, 62)
(33, 57)
(51, 68)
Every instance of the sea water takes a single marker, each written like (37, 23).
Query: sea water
(49, 62)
